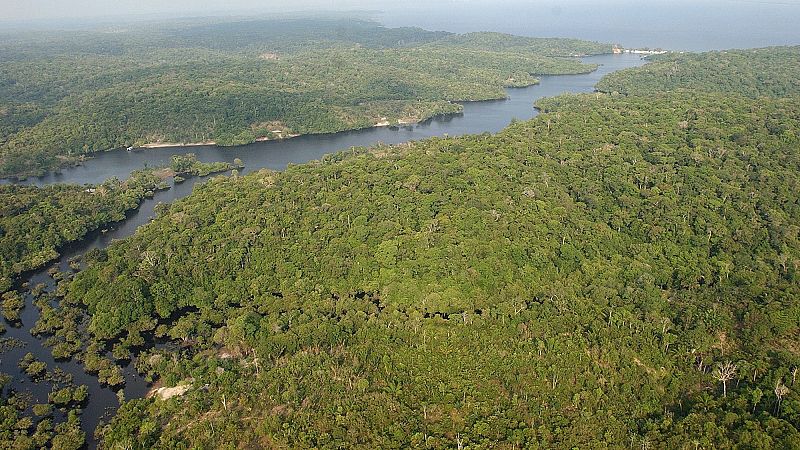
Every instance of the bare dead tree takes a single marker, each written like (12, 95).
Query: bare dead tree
(780, 391)
(256, 362)
(724, 373)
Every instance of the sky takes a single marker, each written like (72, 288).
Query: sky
(672, 24)
(72, 9)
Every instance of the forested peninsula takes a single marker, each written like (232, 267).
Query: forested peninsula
(772, 71)
(623, 270)
(35, 222)
(65, 95)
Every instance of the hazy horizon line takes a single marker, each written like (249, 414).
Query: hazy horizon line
(56, 24)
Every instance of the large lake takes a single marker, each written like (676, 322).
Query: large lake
(477, 117)
(692, 25)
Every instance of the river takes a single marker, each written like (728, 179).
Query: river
(478, 117)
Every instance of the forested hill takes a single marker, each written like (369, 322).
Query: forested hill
(619, 270)
(67, 94)
(256, 35)
(503, 42)
(773, 71)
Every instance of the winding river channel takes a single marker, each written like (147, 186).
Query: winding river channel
(478, 117)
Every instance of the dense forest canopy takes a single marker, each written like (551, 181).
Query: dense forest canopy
(35, 222)
(286, 35)
(773, 71)
(620, 270)
(558, 47)
(68, 94)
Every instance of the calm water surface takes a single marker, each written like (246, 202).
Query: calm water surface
(692, 25)
(477, 118)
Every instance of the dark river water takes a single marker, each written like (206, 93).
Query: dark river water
(478, 117)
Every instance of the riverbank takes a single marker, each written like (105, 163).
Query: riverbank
(384, 122)
(130, 193)
(473, 117)
(173, 145)
(38, 221)
(476, 117)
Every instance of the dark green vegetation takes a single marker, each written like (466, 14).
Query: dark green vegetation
(68, 94)
(34, 224)
(188, 165)
(756, 72)
(620, 270)
(36, 221)
(55, 424)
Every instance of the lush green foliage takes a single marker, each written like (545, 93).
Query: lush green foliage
(576, 279)
(540, 46)
(756, 72)
(282, 34)
(233, 83)
(24, 425)
(620, 271)
(35, 222)
(189, 165)
(11, 306)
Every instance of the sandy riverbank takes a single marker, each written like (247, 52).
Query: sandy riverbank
(173, 144)
(209, 143)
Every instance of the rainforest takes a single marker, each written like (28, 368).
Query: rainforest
(67, 95)
(620, 271)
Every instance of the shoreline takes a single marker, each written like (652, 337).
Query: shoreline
(160, 145)
(135, 386)
(382, 124)
(11, 179)
(173, 145)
